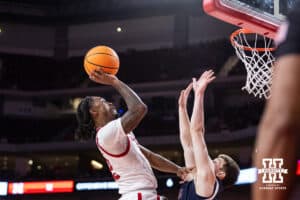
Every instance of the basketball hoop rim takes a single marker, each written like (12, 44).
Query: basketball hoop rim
(246, 48)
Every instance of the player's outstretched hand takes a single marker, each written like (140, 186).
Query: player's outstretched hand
(183, 172)
(200, 85)
(184, 94)
(99, 76)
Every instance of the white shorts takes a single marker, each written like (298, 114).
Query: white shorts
(141, 195)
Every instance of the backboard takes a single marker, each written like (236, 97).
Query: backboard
(261, 16)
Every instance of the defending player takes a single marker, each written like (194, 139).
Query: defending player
(209, 176)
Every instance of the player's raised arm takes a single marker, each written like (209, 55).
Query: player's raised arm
(184, 127)
(136, 108)
(205, 177)
(199, 86)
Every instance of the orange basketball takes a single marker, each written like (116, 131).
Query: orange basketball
(102, 57)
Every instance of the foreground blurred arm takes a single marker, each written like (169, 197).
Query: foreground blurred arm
(278, 133)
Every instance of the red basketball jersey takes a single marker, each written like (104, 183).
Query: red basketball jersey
(128, 165)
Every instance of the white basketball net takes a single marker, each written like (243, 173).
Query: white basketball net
(256, 53)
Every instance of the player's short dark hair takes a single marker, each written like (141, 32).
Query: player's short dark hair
(86, 126)
(231, 169)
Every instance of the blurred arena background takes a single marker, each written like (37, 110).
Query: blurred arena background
(162, 44)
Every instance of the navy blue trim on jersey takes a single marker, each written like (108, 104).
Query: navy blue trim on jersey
(188, 191)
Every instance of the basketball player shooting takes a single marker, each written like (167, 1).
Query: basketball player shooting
(209, 176)
(129, 162)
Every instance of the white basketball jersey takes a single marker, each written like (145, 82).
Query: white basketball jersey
(128, 165)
